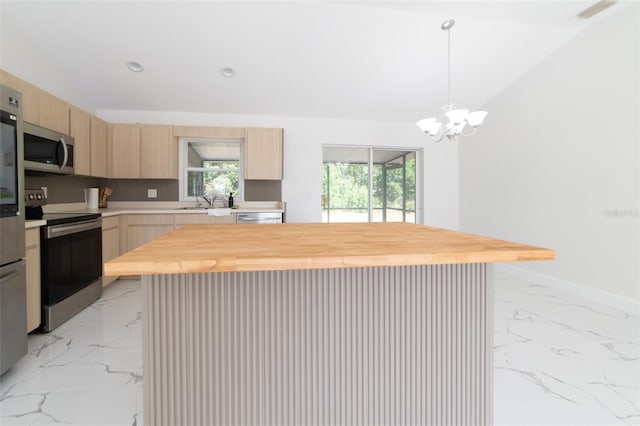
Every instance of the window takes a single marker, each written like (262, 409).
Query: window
(368, 184)
(210, 168)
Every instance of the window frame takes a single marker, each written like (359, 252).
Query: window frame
(183, 143)
(419, 164)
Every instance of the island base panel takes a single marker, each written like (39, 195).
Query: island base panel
(386, 346)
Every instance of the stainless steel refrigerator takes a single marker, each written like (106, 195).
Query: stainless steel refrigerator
(13, 287)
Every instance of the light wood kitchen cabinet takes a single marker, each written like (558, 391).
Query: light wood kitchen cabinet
(80, 130)
(54, 113)
(203, 219)
(110, 243)
(158, 152)
(39, 107)
(124, 151)
(142, 228)
(99, 147)
(146, 151)
(30, 94)
(263, 153)
(32, 255)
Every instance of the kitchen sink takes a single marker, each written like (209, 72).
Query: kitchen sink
(193, 208)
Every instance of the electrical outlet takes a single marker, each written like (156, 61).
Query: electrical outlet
(152, 193)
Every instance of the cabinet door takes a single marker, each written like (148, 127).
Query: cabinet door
(144, 228)
(32, 256)
(158, 153)
(203, 219)
(99, 147)
(263, 154)
(54, 113)
(124, 150)
(80, 130)
(110, 244)
(30, 96)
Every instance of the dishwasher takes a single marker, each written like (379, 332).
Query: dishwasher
(259, 218)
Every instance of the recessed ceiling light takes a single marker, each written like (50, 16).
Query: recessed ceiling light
(135, 66)
(227, 72)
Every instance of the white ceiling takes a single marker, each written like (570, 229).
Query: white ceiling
(344, 59)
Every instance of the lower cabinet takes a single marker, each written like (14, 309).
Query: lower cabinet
(203, 219)
(110, 243)
(32, 254)
(142, 228)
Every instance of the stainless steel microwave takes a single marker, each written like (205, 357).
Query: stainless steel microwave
(47, 151)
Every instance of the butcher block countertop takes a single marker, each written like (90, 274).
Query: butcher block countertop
(294, 246)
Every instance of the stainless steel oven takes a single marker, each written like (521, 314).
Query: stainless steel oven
(47, 151)
(71, 265)
(70, 260)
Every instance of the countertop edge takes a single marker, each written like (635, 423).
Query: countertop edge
(307, 263)
(30, 224)
(324, 246)
(115, 212)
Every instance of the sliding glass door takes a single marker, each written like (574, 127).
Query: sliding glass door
(368, 184)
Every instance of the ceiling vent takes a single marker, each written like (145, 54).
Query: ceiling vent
(596, 8)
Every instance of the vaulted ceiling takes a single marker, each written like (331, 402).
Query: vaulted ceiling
(382, 60)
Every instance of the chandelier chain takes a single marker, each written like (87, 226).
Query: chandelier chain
(449, 66)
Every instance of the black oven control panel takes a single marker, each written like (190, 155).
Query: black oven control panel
(34, 197)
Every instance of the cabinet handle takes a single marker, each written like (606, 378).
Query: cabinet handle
(66, 153)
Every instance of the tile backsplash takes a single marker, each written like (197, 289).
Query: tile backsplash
(62, 188)
(136, 189)
(69, 189)
(262, 190)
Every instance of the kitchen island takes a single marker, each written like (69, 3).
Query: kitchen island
(292, 324)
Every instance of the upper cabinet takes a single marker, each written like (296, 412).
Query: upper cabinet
(263, 154)
(80, 130)
(38, 106)
(158, 152)
(54, 113)
(90, 149)
(142, 151)
(30, 93)
(99, 148)
(124, 151)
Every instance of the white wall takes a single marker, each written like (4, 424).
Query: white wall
(302, 184)
(22, 58)
(559, 156)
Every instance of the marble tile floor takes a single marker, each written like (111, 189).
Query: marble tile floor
(88, 371)
(559, 360)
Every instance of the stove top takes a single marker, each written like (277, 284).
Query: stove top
(60, 218)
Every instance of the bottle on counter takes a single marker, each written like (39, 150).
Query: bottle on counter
(230, 199)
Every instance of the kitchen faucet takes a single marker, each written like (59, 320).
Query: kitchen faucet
(209, 201)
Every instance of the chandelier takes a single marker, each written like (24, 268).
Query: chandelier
(460, 121)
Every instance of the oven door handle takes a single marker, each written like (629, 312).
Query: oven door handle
(60, 230)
